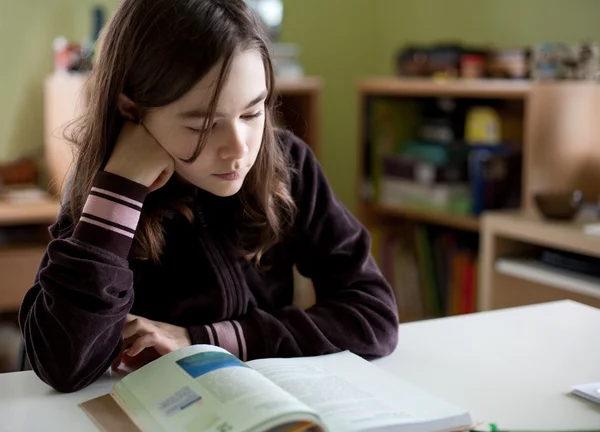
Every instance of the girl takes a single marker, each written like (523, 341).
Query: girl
(186, 212)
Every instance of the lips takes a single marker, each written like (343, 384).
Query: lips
(230, 176)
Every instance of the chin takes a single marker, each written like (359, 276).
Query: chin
(227, 190)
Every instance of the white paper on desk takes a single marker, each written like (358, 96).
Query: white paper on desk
(592, 229)
(590, 391)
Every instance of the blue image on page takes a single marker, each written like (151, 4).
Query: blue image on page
(202, 363)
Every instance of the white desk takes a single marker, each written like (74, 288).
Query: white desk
(512, 367)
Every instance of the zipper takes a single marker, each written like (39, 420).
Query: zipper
(219, 263)
(228, 276)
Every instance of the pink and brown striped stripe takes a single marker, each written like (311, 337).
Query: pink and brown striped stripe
(229, 336)
(111, 213)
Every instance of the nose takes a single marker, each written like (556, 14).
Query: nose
(234, 142)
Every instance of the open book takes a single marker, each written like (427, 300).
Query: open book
(205, 388)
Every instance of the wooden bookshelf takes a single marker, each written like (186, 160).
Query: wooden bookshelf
(289, 86)
(465, 223)
(441, 272)
(300, 108)
(459, 88)
(561, 153)
(511, 275)
(554, 126)
(515, 93)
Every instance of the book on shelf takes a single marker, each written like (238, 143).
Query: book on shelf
(205, 388)
(407, 165)
(433, 271)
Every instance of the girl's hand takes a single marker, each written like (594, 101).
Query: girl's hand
(137, 156)
(145, 340)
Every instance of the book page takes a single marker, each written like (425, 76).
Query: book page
(351, 394)
(205, 388)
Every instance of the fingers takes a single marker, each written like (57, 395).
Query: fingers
(126, 357)
(130, 318)
(142, 359)
(129, 341)
(136, 326)
(146, 341)
(154, 340)
(143, 341)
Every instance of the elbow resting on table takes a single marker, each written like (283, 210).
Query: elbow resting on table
(382, 338)
(386, 344)
(62, 386)
(65, 374)
(64, 380)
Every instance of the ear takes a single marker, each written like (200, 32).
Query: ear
(128, 109)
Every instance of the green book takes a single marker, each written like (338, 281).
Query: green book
(427, 271)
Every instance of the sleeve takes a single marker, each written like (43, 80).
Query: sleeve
(355, 309)
(72, 318)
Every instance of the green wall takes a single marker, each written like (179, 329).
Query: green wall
(27, 29)
(490, 22)
(341, 40)
(337, 43)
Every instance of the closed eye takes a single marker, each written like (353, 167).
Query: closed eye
(247, 117)
(252, 116)
(198, 131)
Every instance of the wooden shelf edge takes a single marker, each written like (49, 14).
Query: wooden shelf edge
(290, 86)
(12, 249)
(540, 273)
(525, 228)
(286, 85)
(44, 212)
(465, 223)
(479, 88)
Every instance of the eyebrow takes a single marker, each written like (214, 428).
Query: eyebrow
(195, 113)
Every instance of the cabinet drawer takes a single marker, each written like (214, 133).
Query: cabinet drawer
(18, 267)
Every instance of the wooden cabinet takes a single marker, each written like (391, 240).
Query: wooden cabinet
(511, 275)
(562, 149)
(562, 153)
(19, 262)
(18, 266)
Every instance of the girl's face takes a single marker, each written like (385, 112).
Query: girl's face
(235, 136)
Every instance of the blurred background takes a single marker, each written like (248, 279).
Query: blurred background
(463, 133)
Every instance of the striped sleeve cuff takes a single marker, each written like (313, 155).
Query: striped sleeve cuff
(111, 213)
(226, 334)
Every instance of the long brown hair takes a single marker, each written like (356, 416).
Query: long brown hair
(154, 51)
